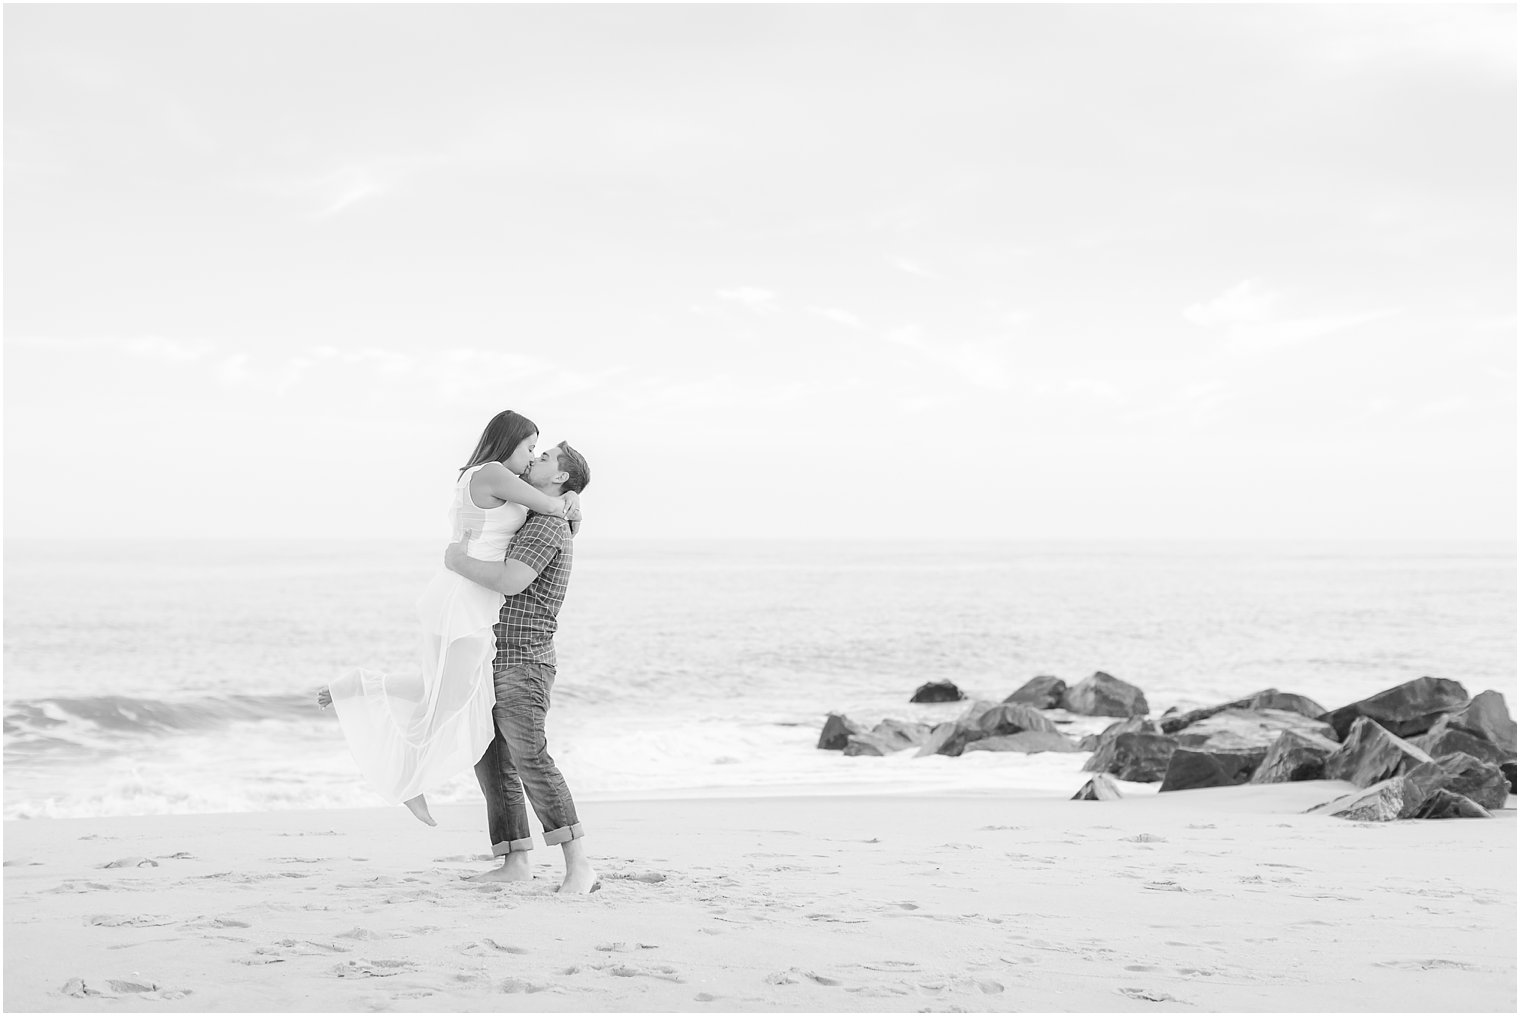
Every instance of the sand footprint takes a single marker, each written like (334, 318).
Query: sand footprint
(372, 968)
(131, 862)
(77, 988)
(517, 986)
(662, 972)
(515, 950)
(128, 921)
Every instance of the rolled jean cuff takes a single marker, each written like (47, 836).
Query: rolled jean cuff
(554, 837)
(510, 846)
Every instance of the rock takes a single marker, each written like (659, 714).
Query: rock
(1133, 725)
(1370, 754)
(1248, 728)
(1408, 709)
(937, 691)
(1029, 741)
(1397, 797)
(1041, 692)
(901, 733)
(1012, 718)
(1287, 701)
(837, 730)
(1104, 695)
(1192, 768)
(1445, 804)
(1481, 782)
(1444, 739)
(1136, 758)
(1100, 788)
(869, 744)
(938, 739)
(1508, 769)
(1269, 698)
(1294, 757)
(1488, 718)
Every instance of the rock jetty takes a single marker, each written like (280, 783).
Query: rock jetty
(1423, 749)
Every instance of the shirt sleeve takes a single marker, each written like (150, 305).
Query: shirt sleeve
(536, 543)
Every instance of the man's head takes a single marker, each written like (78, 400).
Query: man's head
(559, 469)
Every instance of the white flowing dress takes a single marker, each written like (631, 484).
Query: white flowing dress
(412, 732)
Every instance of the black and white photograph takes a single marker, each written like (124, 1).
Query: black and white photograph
(902, 508)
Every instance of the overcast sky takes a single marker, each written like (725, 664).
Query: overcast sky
(1016, 272)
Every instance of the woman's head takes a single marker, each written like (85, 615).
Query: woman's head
(507, 439)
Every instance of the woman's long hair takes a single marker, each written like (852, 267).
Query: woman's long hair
(500, 438)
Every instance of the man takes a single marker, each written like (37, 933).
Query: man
(534, 578)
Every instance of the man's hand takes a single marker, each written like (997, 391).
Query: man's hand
(456, 552)
(572, 510)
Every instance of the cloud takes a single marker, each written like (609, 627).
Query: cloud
(335, 191)
(913, 268)
(1271, 336)
(148, 347)
(233, 371)
(1246, 313)
(1092, 388)
(761, 301)
(842, 317)
(983, 362)
(1443, 407)
(1244, 302)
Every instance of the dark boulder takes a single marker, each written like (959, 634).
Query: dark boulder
(1133, 725)
(1294, 757)
(1370, 754)
(1104, 695)
(1479, 781)
(1487, 717)
(1041, 692)
(1100, 788)
(901, 733)
(1508, 769)
(1445, 804)
(1269, 698)
(837, 730)
(1397, 797)
(1012, 718)
(1192, 768)
(937, 691)
(1136, 758)
(1248, 728)
(1406, 710)
(1444, 739)
(1029, 742)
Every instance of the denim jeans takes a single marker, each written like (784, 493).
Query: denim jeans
(517, 764)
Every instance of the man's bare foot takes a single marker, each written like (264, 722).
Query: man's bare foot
(515, 867)
(418, 806)
(580, 879)
(324, 697)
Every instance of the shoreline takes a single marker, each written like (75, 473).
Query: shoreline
(1228, 899)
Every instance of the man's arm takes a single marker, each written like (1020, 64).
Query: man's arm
(506, 577)
(531, 551)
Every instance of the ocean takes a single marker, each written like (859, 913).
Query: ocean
(152, 677)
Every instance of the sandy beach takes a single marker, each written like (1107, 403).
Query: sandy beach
(1209, 900)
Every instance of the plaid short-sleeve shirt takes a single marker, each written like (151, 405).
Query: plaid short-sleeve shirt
(525, 630)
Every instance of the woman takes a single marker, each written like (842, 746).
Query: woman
(408, 733)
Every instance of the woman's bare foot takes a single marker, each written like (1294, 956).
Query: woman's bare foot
(418, 806)
(324, 697)
(515, 867)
